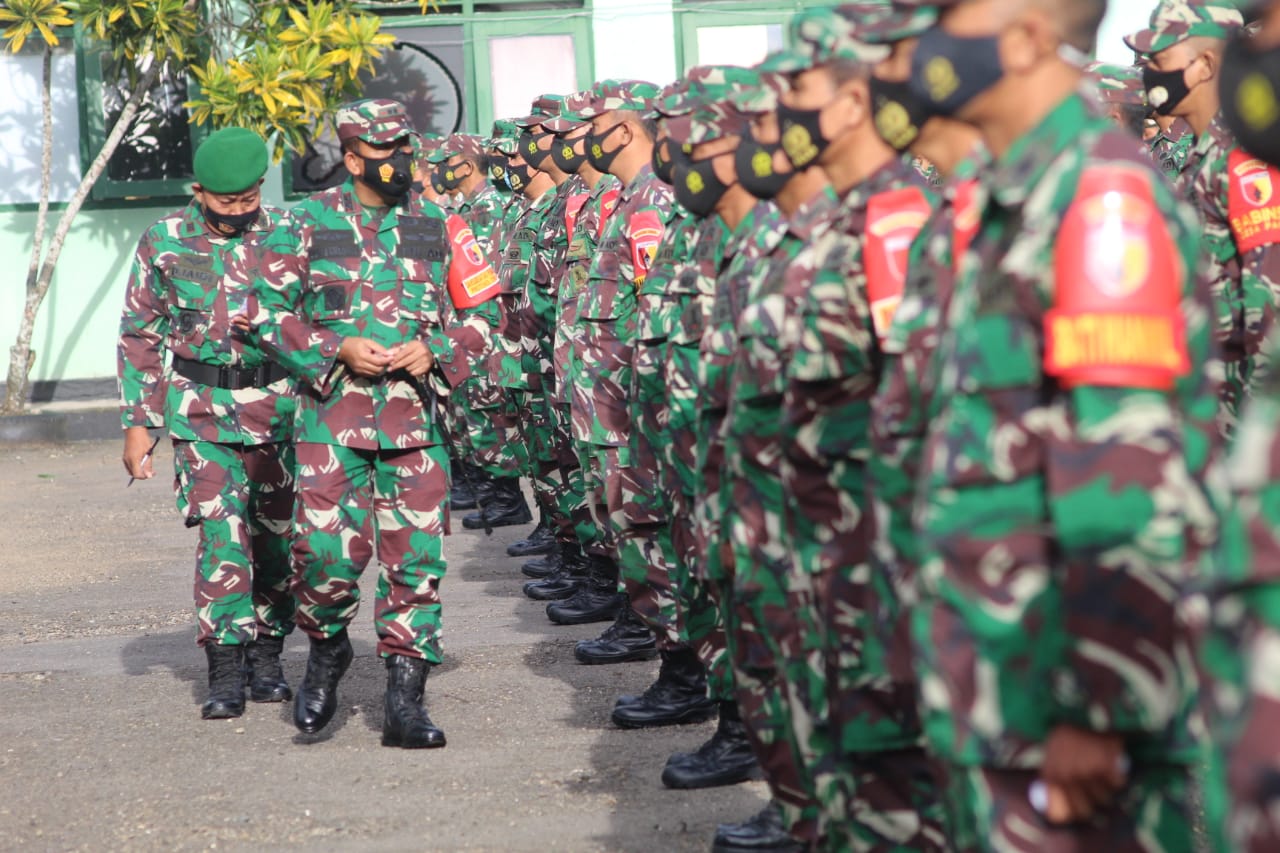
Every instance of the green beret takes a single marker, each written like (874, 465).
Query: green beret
(230, 160)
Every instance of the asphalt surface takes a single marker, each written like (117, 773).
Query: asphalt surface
(102, 746)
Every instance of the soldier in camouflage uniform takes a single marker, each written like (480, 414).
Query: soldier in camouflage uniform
(1171, 138)
(561, 573)
(1235, 194)
(905, 400)
(1064, 494)
(856, 726)
(1121, 90)
(228, 409)
(359, 293)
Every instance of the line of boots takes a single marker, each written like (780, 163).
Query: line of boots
(499, 502)
(232, 667)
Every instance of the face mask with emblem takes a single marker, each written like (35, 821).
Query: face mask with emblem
(236, 223)
(391, 177)
(665, 156)
(566, 158)
(755, 164)
(948, 72)
(1165, 89)
(1250, 106)
(697, 187)
(802, 136)
(496, 167)
(518, 176)
(451, 177)
(530, 150)
(899, 112)
(600, 158)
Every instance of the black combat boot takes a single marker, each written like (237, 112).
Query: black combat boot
(226, 682)
(543, 567)
(571, 572)
(679, 695)
(404, 721)
(541, 540)
(598, 600)
(628, 638)
(726, 759)
(504, 506)
(266, 678)
(466, 481)
(762, 831)
(318, 695)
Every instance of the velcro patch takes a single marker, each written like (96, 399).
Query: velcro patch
(329, 243)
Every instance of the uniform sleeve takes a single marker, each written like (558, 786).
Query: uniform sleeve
(462, 340)
(144, 325)
(306, 350)
(1126, 342)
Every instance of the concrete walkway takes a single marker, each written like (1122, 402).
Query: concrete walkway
(102, 746)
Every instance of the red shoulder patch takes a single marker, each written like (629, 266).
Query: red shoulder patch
(1117, 318)
(1253, 201)
(471, 279)
(608, 204)
(571, 210)
(894, 218)
(966, 217)
(644, 230)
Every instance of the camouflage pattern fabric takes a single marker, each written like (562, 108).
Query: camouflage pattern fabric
(1171, 149)
(1237, 198)
(351, 503)
(1061, 507)
(240, 500)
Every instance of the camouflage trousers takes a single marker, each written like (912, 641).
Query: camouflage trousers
(240, 500)
(352, 502)
(542, 437)
(601, 472)
(494, 431)
(699, 618)
(644, 571)
(573, 520)
(988, 811)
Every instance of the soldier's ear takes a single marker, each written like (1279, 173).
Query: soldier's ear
(353, 162)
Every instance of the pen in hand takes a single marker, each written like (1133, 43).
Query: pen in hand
(143, 460)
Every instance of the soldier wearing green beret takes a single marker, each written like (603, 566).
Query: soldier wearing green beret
(227, 407)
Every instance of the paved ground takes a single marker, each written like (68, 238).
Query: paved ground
(102, 746)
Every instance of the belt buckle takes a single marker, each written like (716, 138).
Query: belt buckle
(225, 375)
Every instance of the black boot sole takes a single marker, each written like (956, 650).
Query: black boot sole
(514, 550)
(537, 573)
(720, 779)
(687, 717)
(539, 595)
(618, 657)
(221, 711)
(585, 618)
(397, 741)
(496, 522)
(273, 694)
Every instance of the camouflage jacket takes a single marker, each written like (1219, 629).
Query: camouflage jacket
(1171, 151)
(335, 269)
(1238, 198)
(484, 212)
(607, 308)
(1060, 501)
(588, 229)
(550, 262)
(507, 364)
(176, 300)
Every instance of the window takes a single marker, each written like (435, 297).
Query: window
(732, 32)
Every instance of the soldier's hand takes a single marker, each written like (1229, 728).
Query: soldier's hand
(413, 357)
(1083, 771)
(364, 357)
(137, 444)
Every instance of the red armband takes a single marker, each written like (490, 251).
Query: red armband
(1117, 318)
(471, 280)
(644, 230)
(894, 219)
(1253, 203)
(608, 204)
(966, 218)
(571, 210)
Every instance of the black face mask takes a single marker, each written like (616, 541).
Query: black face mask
(663, 162)
(498, 165)
(518, 176)
(391, 177)
(417, 186)
(599, 158)
(566, 158)
(697, 187)
(802, 137)
(948, 72)
(899, 112)
(529, 150)
(1250, 81)
(437, 181)
(451, 178)
(754, 162)
(1165, 89)
(237, 223)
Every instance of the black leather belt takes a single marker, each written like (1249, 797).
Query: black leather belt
(226, 376)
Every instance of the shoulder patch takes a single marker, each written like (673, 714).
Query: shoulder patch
(1116, 319)
(571, 210)
(1253, 201)
(608, 204)
(471, 279)
(894, 218)
(645, 229)
(966, 218)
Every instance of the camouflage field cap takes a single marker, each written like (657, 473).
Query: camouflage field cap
(878, 23)
(671, 101)
(505, 136)
(609, 95)
(763, 98)
(712, 114)
(1118, 84)
(1175, 21)
(823, 35)
(230, 160)
(567, 119)
(469, 145)
(543, 108)
(375, 120)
